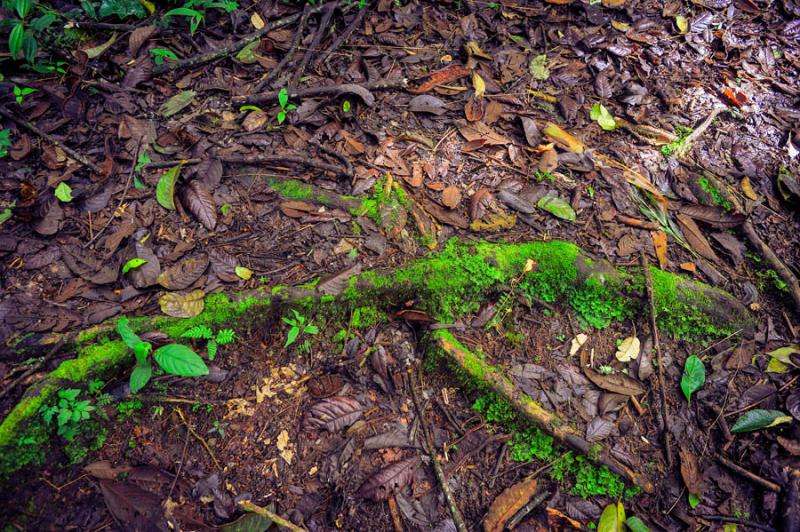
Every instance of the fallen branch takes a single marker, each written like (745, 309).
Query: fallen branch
(248, 506)
(458, 518)
(749, 475)
(648, 280)
(286, 159)
(24, 124)
(208, 57)
(342, 37)
(323, 25)
(327, 90)
(549, 422)
(287, 57)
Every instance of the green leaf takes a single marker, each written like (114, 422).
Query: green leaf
(311, 329)
(64, 192)
(42, 23)
(179, 360)
(141, 350)
(694, 376)
(281, 116)
(538, 68)
(694, 500)
(225, 336)
(346, 106)
(784, 355)
(133, 264)
(199, 332)
(294, 332)
(29, 47)
(759, 419)
(144, 158)
(603, 117)
(244, 273)
(246, 55)
(183, 11)
(177, 103)
(212, 349)
(612, 519)
(249, 108)
(636, 525)
(121, 9)
(165, 190)
(15, 40)
(140, 376)
(557, 207)
(283, 97)
(23, 7)
(127, 335)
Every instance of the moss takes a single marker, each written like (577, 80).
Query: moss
(531, 443)
(588, 479)
(716, 196)
(364, 317)
(292, 189)
(495, 409)
(672, 147)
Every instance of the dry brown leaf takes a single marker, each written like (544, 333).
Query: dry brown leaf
(747, 188)
(479, 131)
(474, 109)
(549, 161)
(695, 238)
(507, 504)
(415, 179)
(690, 472)
(451, 197)
(660, 245)
(441, 77)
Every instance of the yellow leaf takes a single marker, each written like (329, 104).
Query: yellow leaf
(628, 349)
(182, 305)
(555, 133)
(256, 21)
(472, 48)
(149, 6)
(478, 84)
(494, 222)
(507, 504)
(747, 188)
(660, 244)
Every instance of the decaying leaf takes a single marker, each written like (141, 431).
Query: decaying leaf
(690, 472)
(333, 413)
(441, 77)
(532, 134)
(577, 343)
(180, 305)
(660, 245)
(507, 504)
(616, 382)
(389, 480)
(628, 349)
(285, 446)
(177, 103)
(556, 134)
(181, 275)
(451, 197)
(494, 222)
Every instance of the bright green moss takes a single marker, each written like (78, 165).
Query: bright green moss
(292, 189)
(495, 409)
(589, 479)
(531, 443)
(716, 195)
(364, 317)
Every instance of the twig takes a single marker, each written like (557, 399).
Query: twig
(730, 519)
(342, 37)
(458, 519)
(687, 143)
(323, 23)
(326, 90)
(338, 155)
(38, 132)
(168, 164)
(764, 483)
(248, 506)
(785, 273)
(654, 329)
(525, 510)
(90, 25)
(398, 523)
(287, 57)
(230, 49)
(39, 363)
(121, 200)
(756, 403)
(199, 438)
(180, 464)
(291, 159)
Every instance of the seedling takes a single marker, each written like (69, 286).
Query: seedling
(5, 142)
(203, 332)
(21, 92)
(283, 101)
(159, 54)
(69, 412)
(299, 326)
(175, 359)
(346, 106)
(219, 428)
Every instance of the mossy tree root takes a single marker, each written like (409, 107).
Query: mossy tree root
(448, 284)
(479, 370)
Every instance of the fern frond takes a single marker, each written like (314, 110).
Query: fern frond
(199, 331)
(225, 336)
(212, 349)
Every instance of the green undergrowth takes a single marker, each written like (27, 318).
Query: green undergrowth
(672, 147)
(716, 196)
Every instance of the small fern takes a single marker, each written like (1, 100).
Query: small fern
(225, 336)
(212, 349)
(199, 332)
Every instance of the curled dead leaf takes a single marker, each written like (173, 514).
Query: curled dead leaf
(180, 305)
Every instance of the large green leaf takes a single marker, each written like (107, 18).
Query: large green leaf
(694, 376)
(557, 207)
(140, 376)
(165, 190)
(636, 525)
(133, 264)
(538, 68)
(179, 360)
(127, 335)
(15, 40)
(122, 9)
(612, 519)
(603, 117)
(759, 419)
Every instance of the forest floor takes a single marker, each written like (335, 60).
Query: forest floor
(668, 130)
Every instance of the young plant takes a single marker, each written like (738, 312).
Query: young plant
(195, 11)
(5, 142)
(298, 326)
(203, 332)
(68, 412)
(175, 359)
(159, 54)
(21, 92)
(24, 29)
(283, 101)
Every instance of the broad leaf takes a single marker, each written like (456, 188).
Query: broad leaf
(538, 68)
(612, 519)
(759, 419)
(133, 264)
(127, 335)
(292, 336)
(122, 9)
(603, 117)
(140, 376)
(179, 360)
(557, 207)
(177, 103)
(64, 192)
(694, 500)
(182, 305)
(694, 376)
(165, 190)
(244, 273)
(15, 40)
(636, 525)
(507, 504)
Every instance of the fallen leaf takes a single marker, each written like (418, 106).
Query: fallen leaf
(557, 207)
(629, 349)
(451, 197)
(181, 275)
(508, 503)
(577, 343)
(759, 419)
(494, 222)
(165, 189)
(538, 68)
(612, 519)
(177, 103)
(441, 77)
(478, 84)
(285, 447)
(256, 21)
(532, 134)
(695, 238)
(690, 472)
(660, 245)
(389, 480)
(556, 134)
(180, 305)
(199, 201)
(333, 414)
(425, 103)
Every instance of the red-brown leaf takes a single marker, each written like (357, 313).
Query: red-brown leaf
(389, 480)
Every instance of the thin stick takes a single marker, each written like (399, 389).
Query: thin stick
(199, 438)
(785, 273)
(248, 506)
(291, 159)
(121, 200)
(764, 483)
(738, 521)
(24, 124)
(309, 92)
(180, 464)
(756, 403)
(398, 523)
(208, 57)
(458, 519)
(323, 22)
(287, 57)
(654, 329)
(342, 37)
